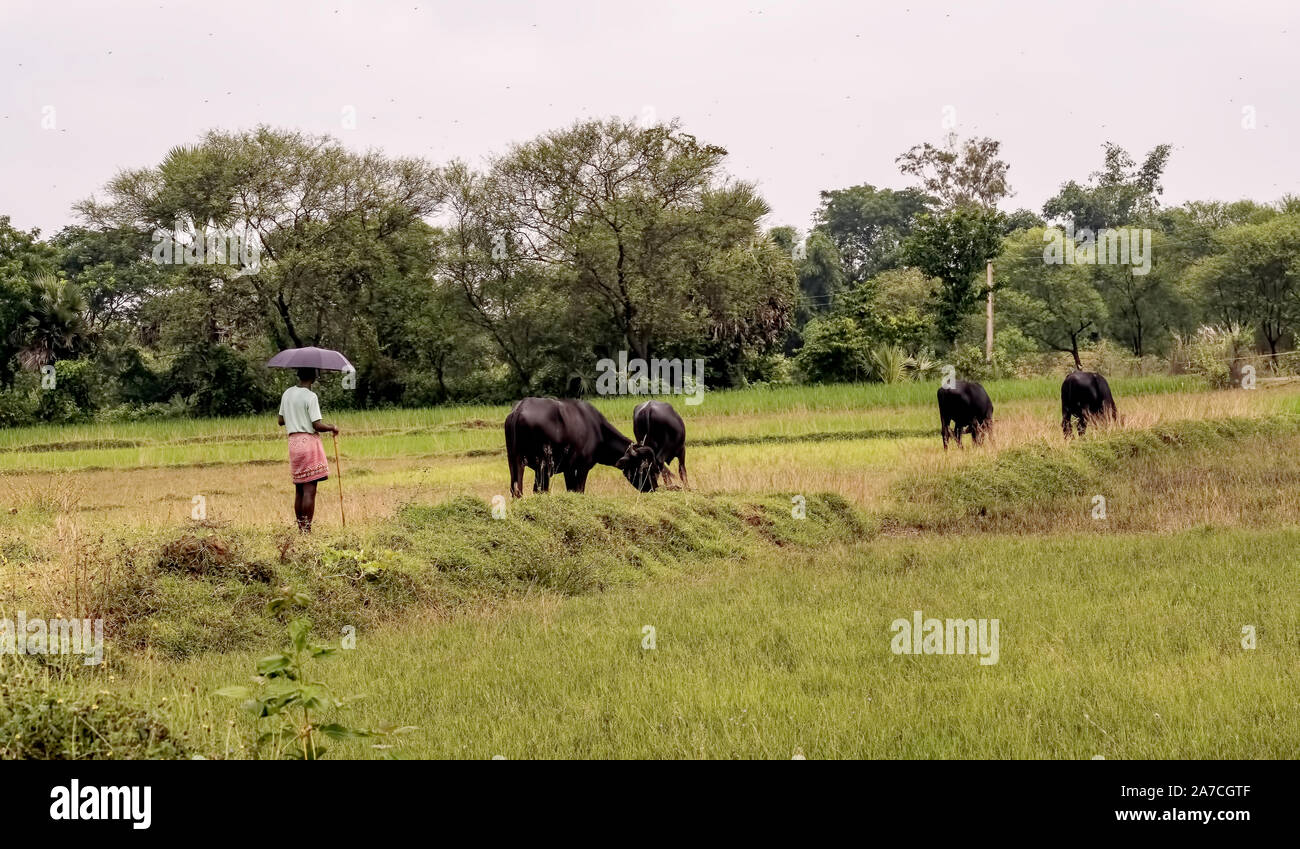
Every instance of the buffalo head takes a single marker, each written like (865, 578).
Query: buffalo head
(641, 467)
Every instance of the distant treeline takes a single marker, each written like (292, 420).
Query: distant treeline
(443, 283)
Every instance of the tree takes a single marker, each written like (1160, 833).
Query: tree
(894, 308)
(954, 247)
(23, 258)
(819, 270)
(326, 224)
(959, 173)
(641, 227)
(1121, 193)
(1254, 279)
(54, 325)
(1054, 304)
(1143, 307)
(867, 226)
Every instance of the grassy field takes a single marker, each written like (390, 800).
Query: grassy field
(1121, 634)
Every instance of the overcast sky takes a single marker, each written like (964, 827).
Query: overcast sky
(805, 96)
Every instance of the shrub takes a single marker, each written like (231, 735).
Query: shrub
(45, 718)
(835, 349)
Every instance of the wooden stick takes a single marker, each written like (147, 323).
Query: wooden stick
(339, 468)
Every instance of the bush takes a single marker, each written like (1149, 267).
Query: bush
(45, 718)
(835, 350)
(18, 405)
(70, 399)
(1212, 352)
(222, 382)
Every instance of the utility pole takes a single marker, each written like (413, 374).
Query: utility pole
(988, 317)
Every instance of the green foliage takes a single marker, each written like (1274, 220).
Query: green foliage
(72, 397)
(889, 363)
(1118, 195)
(954, 247)
(1212, 352)
(45, 716)
(867, 226)
(289, 705)
(1055, 304)
(1254, 279)
(219, 380)
(835, 350)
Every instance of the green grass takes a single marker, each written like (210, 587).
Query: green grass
(752, 415)
(205, 590)
(522, 636)
(1121, 646)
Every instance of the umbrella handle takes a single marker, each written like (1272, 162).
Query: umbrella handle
(339, 468)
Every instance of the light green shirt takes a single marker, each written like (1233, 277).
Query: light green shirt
(300, 407)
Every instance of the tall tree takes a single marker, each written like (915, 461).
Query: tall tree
(1056, 305)
(23, 258)
(1122, 192)
(868, 226)
(326, 223)
(961, 173)
(953, 247)
(1254, 279)
(646, 229)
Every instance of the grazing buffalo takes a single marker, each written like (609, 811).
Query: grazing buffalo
(660, 437)
(1085, 395)
(549, 435)
(967, 406)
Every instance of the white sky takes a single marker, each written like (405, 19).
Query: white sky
(805, 96)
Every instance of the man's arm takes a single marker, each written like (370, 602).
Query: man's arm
(321, 427)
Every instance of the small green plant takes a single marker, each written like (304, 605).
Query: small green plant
(889, 363)
(288, 705)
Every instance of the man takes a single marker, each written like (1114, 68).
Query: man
(300, 416)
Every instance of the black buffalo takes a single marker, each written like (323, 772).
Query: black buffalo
(967, 407)
(553, 436)
(1085, 395)
(660, 437)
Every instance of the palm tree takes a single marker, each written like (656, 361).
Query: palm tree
(55, 325)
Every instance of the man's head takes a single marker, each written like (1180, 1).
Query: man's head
(641, 467)
(307, 374)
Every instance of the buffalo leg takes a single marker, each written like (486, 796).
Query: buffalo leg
(517, 477)
(575, 480)
(946, 434)
(681, 466)
(545, 468)
(1065, 426)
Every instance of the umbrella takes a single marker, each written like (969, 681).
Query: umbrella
(318, 358)
(321, 359)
